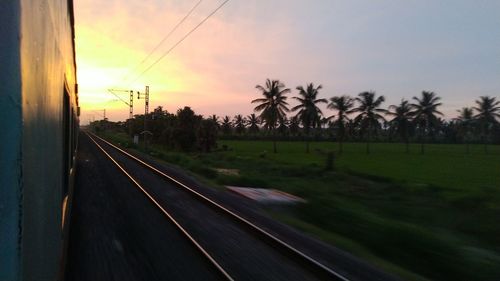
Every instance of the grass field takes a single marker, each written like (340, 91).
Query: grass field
(444, 165)
(434, 216)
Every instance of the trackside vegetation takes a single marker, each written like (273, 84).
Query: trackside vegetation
(432, 216)
(397, 185)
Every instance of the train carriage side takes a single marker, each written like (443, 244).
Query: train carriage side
(39, 123)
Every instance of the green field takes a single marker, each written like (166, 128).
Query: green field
(434, 216)
(447, 166)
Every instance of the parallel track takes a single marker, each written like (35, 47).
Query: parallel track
(197, 245)
(312, 265)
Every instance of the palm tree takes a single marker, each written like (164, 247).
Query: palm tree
(425, 111)
(342, 105)
(402, 114)
(464, 122)
(283, 126)
(351, 128)
(488, 110)
(323, 123)
(253, 123)
(323, 126)
(207, 134)
(239, 124)
(309, 113)
(272, 106)
(369, 117)
(294, 126)
(215, 119)
(226, 125)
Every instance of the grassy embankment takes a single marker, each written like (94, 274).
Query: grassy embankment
(434, 215)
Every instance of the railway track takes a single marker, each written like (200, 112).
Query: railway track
(242, 251)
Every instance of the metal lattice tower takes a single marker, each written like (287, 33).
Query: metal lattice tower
(131, 105)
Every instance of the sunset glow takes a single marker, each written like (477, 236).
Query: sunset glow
(347, 47)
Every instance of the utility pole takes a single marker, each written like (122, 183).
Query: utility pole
(131, 105)
(146, 111)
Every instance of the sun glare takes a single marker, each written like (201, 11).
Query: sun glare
(104, 63)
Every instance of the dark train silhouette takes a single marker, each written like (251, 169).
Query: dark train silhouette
(38, 136)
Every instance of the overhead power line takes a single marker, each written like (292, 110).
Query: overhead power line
(180, 41)
(113, 92)
(163, 40)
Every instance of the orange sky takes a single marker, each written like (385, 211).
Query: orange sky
(397, 49)
(110, 47)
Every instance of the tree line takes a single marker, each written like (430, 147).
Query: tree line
(184, 130)
(357, 119)
(362, 118)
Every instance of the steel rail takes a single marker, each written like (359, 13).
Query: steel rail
(168, 215)
(314, 264)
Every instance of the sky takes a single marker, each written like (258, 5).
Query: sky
(395, 48)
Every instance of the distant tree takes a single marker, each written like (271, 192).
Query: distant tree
(308, 111)
(294, 126)
(239, 124)
(351, 128)
(215, 118)
(466, 114)
(207, 134)
(343, 106)
(425, 115)
(331, 131)
(156, 122)
(166, 136)
(272, 106)
(158, 112)
(369, 114)
(253, 124)
(283, 126)
(488, 111)
(185, 130)
(402, 117)
(442, 129)
(464, 123)
(226, 125)
(448, 131)
(323, 127)
(323, 123)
